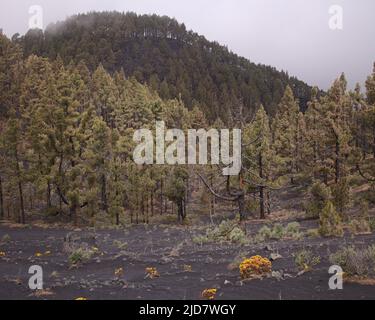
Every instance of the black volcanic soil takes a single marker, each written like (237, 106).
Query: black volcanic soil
(168, 249)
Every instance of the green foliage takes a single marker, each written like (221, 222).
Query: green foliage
(369, 195)
(66, 127)
(341, 196)
(319, 195)
(313, 233)
(355, 261)
(305, 260)
(278, 232)
(330, 222)
(227, 231)
(359, 226)
(79, 256)
(166, 57)
(5, 238)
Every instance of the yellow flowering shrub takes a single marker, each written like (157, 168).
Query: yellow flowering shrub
(188, 268)
(152, 273)
(119, 272)
(38, 254)
(2, 254)
(209, 294)
(255, 266)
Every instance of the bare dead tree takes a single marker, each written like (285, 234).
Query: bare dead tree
(237, 196)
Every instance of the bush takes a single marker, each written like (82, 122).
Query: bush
(319, 195)
(313, 233)
(359, 226)
(305, 260)
(341, 196)
(227, 231)
(372, 224)
(355, 262)
(278, 232)
(330, 222)
(255, 266)
(80, 255)
(6, 238)
(293, 230)
(265, 233)
(369, 195)
(209, 294)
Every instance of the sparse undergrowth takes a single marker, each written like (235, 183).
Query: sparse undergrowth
(278, 232)
(81, 255)
(355, 261)
(305, 260)
(227, 231)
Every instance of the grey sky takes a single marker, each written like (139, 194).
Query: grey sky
(292, 35)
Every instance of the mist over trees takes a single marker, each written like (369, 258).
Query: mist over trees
(160, 52)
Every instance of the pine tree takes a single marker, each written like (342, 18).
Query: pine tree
(259, 157)
(337, 124)
(98, 155)
(104, 95)
(286, 133)
(176, 190)
(12, 148)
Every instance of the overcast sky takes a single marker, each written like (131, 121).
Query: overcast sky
(292, 35)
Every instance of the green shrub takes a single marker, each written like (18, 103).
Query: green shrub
(319, 195)
(369, 195)
(330, 222)
(227, 231)
(293, 230)
(313, 233)
(237, 236)
(120, 245)
(264, 233)
(278, 232)
(80, 255)
(341, 196)
(354, 261)
(359, 226)
(372, 224)
(6, 238)
(305, 260)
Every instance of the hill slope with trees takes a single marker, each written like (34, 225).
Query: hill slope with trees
(160, 52)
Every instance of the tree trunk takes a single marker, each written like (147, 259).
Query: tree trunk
(161, 198)
(261, 190)
(337, 162)
(180, 211)
(213, 198)
(73, 214)
(117, 219)
(152, 204)
(49, 202)
(20, 190)
(22, 218)
(104, 194)
(241, 207)
(268, 197)
(1, 199)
